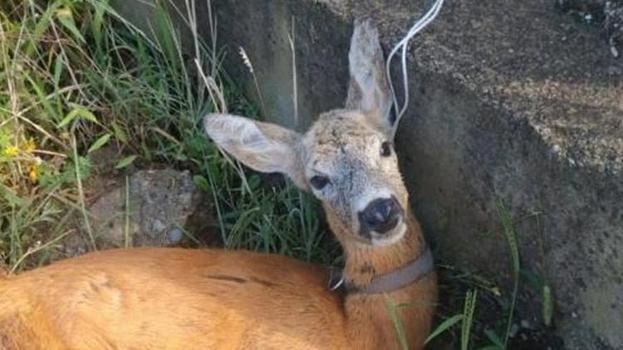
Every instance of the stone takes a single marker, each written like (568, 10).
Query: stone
(511, 103)
(162, 203)
(174, 235)
(606, 13)
(613, 26)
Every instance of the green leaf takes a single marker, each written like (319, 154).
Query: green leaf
(58, 69)
(125, 162)
(392, 309)
(66, 17)
(120, 134)
(201, 182)
(77, 112)
(43, 24)
(12, 198)
(511, 238)
(468, 317)
(444, 326)
(85, 114)
(99, 143)
(494, 338)
(68, 118)
(41, 95)
(97, 23)
(491, 347)
(181, 157)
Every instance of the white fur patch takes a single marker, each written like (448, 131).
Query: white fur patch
(390, 238)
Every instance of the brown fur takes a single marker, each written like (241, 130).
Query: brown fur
(169, 299)
(215, 299)
(207, 299)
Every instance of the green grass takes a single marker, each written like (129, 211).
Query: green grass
(76, 78)
(462, 325)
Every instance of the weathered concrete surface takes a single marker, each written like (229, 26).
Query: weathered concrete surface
(511, 102)
(321, 40)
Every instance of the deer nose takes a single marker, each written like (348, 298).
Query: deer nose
(381, 215)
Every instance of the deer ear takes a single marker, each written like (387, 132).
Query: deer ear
(368, 90)
(261, 146)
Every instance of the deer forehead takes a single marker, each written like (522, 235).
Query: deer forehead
(342, 141)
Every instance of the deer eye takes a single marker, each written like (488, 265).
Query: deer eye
(386, 149)
(319, 182)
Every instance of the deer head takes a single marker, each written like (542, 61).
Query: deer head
(346, 159)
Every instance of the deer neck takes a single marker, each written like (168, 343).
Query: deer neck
(368, 319)
(364, 261)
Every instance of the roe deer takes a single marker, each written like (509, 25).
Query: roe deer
(168, 298)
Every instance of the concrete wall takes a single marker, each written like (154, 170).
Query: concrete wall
(510, 102)
(321, 47)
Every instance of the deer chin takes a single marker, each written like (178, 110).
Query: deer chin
(391, 237)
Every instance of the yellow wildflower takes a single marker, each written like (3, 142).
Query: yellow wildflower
(30, 146)
(10, 151)
(33, 173)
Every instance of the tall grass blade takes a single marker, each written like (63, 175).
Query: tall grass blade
(444, 326)
(468, 317)
(511, 238)
(393, 311)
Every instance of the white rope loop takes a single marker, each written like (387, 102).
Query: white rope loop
(403, 46)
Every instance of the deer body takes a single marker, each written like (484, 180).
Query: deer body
(150, 298)
(214, 299)
(170, 299)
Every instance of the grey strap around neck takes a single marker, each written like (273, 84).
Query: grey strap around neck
(406, 275)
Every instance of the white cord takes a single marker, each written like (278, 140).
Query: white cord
(403, 44)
